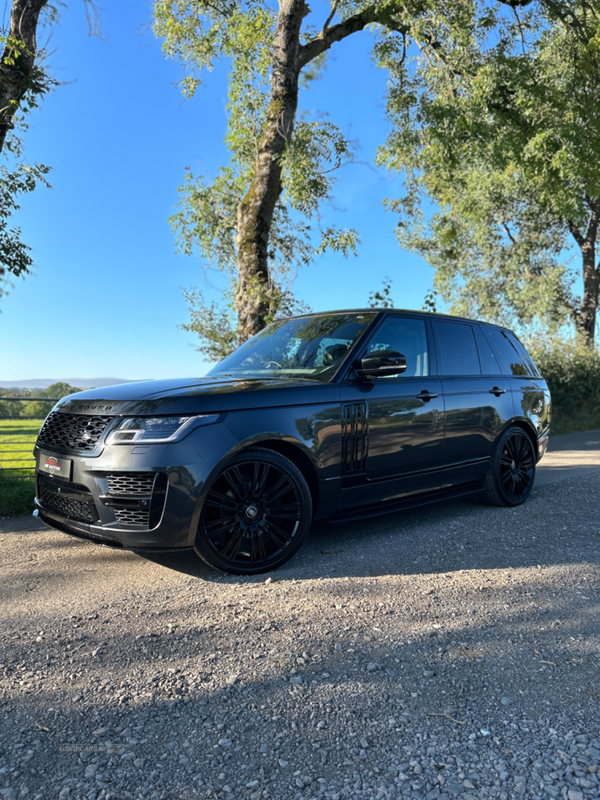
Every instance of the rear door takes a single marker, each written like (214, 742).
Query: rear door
(477, 397)
(531, 399)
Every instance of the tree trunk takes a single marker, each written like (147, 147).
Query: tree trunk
(255, 211)
(591, 294)
(256, 296)
(586, 317)
(17, 66)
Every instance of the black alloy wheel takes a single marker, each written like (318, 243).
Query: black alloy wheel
(511, 473)
(256, 514)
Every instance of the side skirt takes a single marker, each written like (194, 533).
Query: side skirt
(400, 505)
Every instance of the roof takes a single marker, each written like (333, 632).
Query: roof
(397, 310)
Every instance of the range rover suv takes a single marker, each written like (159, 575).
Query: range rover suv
(323, 416)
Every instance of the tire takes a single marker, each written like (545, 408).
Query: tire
(511, 471)
(256, 514)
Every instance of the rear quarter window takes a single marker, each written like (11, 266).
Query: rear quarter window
(511, 362)
(527, 359)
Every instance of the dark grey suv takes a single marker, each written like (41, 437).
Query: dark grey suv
(333, 415)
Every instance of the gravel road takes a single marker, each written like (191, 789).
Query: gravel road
(449, 652)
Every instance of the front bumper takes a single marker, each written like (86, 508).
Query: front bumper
(133, 497)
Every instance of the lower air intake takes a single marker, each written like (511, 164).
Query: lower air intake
(81, 510)
(128, 517)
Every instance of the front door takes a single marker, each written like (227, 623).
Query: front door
(393, 427)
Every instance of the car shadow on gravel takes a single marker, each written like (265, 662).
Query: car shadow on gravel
(552, 528)
(259, 704)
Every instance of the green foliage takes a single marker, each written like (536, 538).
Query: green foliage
(23, 82)
(495, 119)
(430, 302)
(35, 405)
(60, 389)
(14, 253)
(216, 326)
(383, 297)
(573, 375)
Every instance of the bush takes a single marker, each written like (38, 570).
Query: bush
(573, 375)
(16, 496)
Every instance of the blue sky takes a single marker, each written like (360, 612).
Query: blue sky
(106, 295)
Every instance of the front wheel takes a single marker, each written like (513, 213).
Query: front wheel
(256, 514)
(511, 472)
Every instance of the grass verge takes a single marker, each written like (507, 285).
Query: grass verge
(584, 419)
(16, 496)
(17, 438)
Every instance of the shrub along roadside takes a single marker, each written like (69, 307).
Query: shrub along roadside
(573, 376)
(16, 496)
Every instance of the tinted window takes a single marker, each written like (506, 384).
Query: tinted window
(457, 349)
(407, 336)
(489, 362)
(525, 357)
(508, 358)
(308, 347)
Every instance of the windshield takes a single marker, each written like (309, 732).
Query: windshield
(305, 347)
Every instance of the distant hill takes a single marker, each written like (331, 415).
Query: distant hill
(80, 383)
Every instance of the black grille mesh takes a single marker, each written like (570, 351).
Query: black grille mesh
(128, 516)
(130, 483)
(78, 432)
(82, 510)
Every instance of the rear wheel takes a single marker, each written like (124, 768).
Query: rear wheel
(511, 472)
(256, 514)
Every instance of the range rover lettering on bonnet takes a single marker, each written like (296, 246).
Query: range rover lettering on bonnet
(71, 404)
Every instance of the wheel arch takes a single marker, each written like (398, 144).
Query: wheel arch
(528, 428)
(297, 456)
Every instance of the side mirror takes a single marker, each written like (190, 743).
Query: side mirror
(380, 363)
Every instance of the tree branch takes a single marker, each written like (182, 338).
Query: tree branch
(508, 233)
(576, 233)
(328, 36)
(592, 231)
(334, 6)
(18, 73)
(516, 3)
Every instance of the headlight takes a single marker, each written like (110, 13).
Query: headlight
(155, 430)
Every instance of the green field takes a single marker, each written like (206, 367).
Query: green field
(16, 494)
(18, 435)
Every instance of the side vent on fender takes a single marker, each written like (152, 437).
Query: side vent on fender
(354, 438)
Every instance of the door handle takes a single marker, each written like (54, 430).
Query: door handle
(497, 391)
(426, 395)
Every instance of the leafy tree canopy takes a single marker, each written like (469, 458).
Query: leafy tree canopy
(23, 83)
(498, 123)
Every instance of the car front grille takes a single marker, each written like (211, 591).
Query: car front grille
(75, 432)
(61, 501)
(131, 483)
